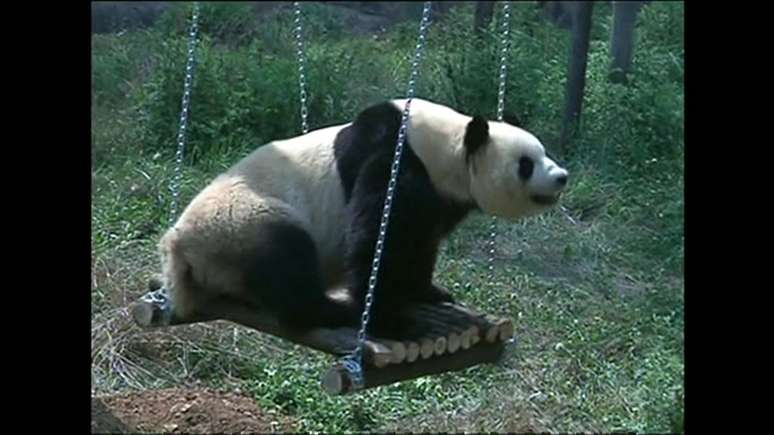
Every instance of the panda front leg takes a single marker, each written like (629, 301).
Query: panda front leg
(408, 255)
(404, 279)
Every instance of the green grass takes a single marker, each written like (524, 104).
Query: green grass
(595, 289)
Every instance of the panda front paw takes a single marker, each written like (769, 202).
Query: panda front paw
(438, 295)
(391, 326)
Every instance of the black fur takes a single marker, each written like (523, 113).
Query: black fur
(419, 220)
(526, 167)
(476, 136)
(283, 274)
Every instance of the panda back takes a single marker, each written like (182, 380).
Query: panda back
(301, 172)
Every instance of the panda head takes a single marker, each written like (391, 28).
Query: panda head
(510, 175)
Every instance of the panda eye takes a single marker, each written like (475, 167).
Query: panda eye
(526, 166)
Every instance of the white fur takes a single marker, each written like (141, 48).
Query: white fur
(436, 134)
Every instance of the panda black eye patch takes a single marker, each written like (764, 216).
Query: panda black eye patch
(526, 166)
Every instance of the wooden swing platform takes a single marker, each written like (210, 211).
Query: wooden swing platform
(448, 337)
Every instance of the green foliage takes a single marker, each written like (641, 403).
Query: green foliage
(595, 289)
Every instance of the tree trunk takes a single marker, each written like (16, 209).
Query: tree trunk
(576, 81)
(484, 12)
(622, 38)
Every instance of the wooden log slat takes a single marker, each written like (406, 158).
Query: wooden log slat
(397, 349)
(412, 351)
(429, 338)
(494, 328)
(466, 325)
(461, 328)
(433, 331)
(426, 348)
(336, 381)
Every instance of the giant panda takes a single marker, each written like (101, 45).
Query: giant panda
(300, 216)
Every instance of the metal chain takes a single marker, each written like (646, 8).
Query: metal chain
(301, 66)
(503, 59)
(354, 362)
(189, 70)
(500, 109)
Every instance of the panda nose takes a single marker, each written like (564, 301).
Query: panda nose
(561, 180)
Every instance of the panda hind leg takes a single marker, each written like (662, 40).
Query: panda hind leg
(282, 274)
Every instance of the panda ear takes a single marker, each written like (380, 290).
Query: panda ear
(476, 135)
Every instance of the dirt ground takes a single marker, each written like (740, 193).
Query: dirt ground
(182, 411)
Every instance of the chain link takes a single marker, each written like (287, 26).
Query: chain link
(504, 42)
(354, 362)
(189, 70)
(505, 37)
(301, 66)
